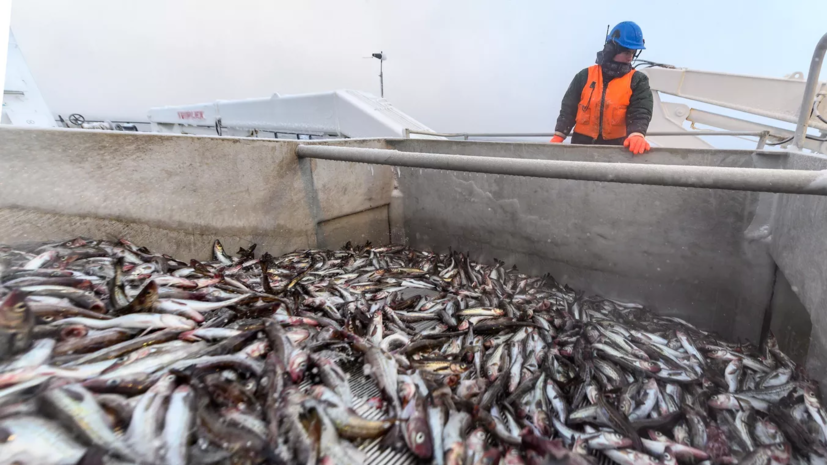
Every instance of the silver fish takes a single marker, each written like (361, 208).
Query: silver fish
(76, 406)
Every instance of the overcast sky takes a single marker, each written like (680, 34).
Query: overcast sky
(461, 65)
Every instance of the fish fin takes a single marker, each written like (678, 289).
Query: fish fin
(143, 302)
(408, 411)
(393, 439)
(93, 456)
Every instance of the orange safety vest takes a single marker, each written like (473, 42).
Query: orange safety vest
(615, 103)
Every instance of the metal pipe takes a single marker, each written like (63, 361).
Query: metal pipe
(542, 134)
(762, 141)
(810, 92)
(742, 179)
(706, 133)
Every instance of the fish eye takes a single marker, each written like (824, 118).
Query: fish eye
(780, 446)
(120, 359)
(419, 438)
(19, 307)
(47, 318)
(171, 378)
(480, 434)
(112, 382)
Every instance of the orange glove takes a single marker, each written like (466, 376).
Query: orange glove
(557, 139)
(636, 143)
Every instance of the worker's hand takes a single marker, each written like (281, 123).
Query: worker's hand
(557, 139)
(636, 143)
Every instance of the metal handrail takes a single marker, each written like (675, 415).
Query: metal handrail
(810, 93)
(549, 134)
(761, 135)
(708, 177)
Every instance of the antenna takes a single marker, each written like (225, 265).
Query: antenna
(607, 33)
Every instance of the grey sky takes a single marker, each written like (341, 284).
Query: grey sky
(454, 65)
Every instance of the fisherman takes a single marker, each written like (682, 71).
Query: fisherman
(609, 103)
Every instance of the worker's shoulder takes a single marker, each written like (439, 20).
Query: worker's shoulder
(639, 78)
(582, 75)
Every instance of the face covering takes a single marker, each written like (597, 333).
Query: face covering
(605, 58)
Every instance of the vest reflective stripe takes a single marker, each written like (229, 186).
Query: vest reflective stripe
(618, 95)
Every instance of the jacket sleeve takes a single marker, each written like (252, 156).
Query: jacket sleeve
(568, 108)
(639, 112)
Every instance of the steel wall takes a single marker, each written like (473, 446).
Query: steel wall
(680, 250)
(177, 193)
(799, 246)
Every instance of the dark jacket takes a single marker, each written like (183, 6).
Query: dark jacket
(638, 115)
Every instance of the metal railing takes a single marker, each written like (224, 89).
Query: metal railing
(761, 135)
(810, 93)
(708, 177)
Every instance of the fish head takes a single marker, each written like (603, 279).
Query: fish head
(734, 366)
(780, 453)
(707, 383)
(668, 457)
(721, 401)
(165, 385)
(475, 441)
(327, 333)
(652, 367)
(73, 332)
(617, 440)
(719, 354)
(250, 385)
(770, 427)
(580, 446)
(298, 335)
(455, 454)
(592, 393)
(512, 457)
(418, 437)
(540, 419)
(128, 385)
(452, 380)
(14, 313)
(129, 358)
(406, 389)
(492, 371)
(810, 396)
(16, 324)
(625, 405)
(458, 367)
(297, 365)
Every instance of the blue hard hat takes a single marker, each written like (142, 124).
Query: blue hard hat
(627, 34)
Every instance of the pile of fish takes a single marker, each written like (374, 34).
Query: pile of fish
(111, 353)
